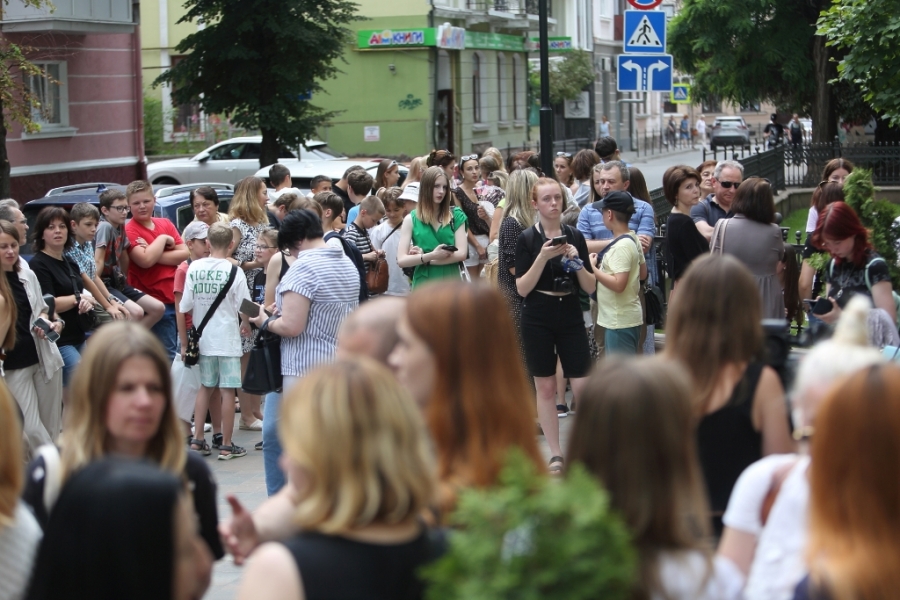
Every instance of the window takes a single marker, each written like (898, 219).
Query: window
(187, 116)
(502, 96)
(750, 107)
(711, 105)
(476, 88)
(227, 152)
(52, 93)
(518, 89)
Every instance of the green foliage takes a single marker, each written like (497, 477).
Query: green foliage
(876, 215)
(255, 60)
(531, 538)
(153, 125)
(568, 78)
(748, 50)
(869, 32)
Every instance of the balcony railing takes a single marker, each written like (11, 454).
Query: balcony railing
(68, 16)
(516, 7)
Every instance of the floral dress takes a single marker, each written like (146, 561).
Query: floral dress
(245, 252)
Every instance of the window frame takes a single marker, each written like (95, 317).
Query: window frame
(63, 128)
(502, 91)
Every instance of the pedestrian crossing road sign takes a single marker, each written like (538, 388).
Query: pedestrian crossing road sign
(644, 72)
(681, 93)
(645, 31)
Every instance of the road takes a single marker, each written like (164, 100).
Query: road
(653, 167)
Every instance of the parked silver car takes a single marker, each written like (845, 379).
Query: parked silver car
(230, 161)
(729, 131)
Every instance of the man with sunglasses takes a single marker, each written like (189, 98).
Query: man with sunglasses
(725, 181)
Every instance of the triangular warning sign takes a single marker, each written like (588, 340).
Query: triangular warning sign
(680, 93)
(644, 35)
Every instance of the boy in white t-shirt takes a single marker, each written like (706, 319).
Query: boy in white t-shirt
(386, 236)
(220, 342)
(621, 269)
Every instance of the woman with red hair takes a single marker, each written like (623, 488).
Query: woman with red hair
(855, 268)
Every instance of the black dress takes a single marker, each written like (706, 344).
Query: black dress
(506, 281)
(728, 443)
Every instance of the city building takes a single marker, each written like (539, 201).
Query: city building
(91, 119)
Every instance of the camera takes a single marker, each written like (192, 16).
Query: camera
(564, 285)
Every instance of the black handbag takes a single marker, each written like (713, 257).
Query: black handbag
(86, 321)
(263, 373)
(654, 303)
(192, 352)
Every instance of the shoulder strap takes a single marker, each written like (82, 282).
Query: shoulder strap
(75, 278)
(869, 264)
(391, 233)
(222, 293)
(603, 252)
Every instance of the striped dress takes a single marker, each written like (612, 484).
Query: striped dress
(331, 282)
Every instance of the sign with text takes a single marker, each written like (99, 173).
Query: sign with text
(645, 31)
(644, 72)
(372, 133)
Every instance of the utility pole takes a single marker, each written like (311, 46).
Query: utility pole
(546, 109)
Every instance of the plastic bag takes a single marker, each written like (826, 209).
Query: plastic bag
(185, 385)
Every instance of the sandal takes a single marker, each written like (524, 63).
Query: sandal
(202, 446)
(217, 441)
(234, 451)
(556, 465)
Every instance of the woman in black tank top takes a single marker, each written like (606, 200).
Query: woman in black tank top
(714, 327)
(356, 450)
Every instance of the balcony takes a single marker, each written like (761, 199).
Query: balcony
(515, 7)
(69, 16)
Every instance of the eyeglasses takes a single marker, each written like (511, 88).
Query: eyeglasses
(121, 209)
(564, 154)
(259, 247)
(468, 157)
(729, 184)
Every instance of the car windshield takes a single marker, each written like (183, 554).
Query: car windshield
(324, 152)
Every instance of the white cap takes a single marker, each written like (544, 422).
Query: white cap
(195, 230)
(411, 192)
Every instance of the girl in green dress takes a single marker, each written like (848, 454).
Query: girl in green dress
(430, 229)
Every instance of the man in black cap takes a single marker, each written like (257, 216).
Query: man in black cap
(619, 269)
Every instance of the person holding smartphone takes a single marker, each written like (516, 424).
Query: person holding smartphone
(33, 366)
(552, 263)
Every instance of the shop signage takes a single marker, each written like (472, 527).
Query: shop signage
(451, 38)
(555, 44)
(477, 40)
(393, 38)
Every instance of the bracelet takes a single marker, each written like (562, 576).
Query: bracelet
(422, 258)
(62, 322)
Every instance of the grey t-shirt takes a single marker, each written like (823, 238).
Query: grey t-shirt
(115, 241)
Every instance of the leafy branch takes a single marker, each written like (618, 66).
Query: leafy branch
(877, 216)
(568, 77)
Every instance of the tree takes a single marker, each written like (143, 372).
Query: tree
(868, 31)
(17, 103)
(258, 61)
(752, 50)
(568, 77)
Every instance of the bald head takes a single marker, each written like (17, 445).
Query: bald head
(371, 330)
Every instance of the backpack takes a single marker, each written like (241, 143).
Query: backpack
(869, 285)
(354, 255)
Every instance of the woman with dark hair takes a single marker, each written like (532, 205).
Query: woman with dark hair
(707, 171)
(552, 323)
(59, 276)
(312, 299)
(205, 204)
(855, 268)
(714, 328)
(635, 433)
(433, 236)
(582, 169)
(387, 175)
(854, 510)
(827, 192)
(33, 366)
(478, 210)
(788, 271)
(681, 185)
(121, 499)
(122, 404)
(445, 160)
(753, 237)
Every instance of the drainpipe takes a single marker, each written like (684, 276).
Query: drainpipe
(138, 88)
(434, 82)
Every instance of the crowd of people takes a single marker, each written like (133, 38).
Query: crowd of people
(412, 334)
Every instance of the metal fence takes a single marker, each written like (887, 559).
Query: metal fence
(571, 146)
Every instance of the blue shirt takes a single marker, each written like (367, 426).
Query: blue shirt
(83, 255)
(642, 222)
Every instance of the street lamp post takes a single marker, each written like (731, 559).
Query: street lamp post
(546, 110)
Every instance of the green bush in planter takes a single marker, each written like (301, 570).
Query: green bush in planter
(534, 538)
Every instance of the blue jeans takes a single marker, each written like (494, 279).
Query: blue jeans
(167, 332)
(71, 356)
(275, 478)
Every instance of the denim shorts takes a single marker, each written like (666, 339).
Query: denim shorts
(220, 371)
(71, 356)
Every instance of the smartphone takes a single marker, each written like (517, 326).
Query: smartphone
(43, 324)
(251, 309)
(558, 240)
(820, 307)
(450, 248)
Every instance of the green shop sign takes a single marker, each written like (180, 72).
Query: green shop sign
(445, 36)
(555, 44)
(494, 41)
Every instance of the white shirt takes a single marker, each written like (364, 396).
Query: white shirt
(205, 277)
(812, 220)
(276, 194)
(18, 546)
(700, 127)
(383, 239)
(684, 576)
(778, 564)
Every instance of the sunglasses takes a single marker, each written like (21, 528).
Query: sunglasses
(392, 165)
(564, 154)
(468, 157)
(729, 184)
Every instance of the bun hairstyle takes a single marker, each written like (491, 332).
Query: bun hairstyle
(439, 158)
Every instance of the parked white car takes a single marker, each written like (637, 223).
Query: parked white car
(232, 160)
(303, 172)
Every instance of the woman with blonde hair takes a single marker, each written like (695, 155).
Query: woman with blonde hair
(854, 515)
(495, 154)
(416, 168)
(635, 433)
(714, 328)
(19, 531)
(518, 216)
(8, 310)
(122, 404)
(436, 230)
(359, 459)
(249, 218)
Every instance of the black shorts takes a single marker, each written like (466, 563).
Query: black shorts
(126, 293)
(553, 327)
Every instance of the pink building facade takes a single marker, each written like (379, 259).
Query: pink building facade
(92, 122)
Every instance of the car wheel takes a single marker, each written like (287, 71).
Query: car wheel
(165, 181)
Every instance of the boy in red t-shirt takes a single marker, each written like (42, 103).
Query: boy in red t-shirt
(156, 251)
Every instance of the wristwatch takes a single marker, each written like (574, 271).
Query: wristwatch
(62, 322)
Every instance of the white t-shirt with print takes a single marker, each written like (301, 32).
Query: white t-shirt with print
(205, 277)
